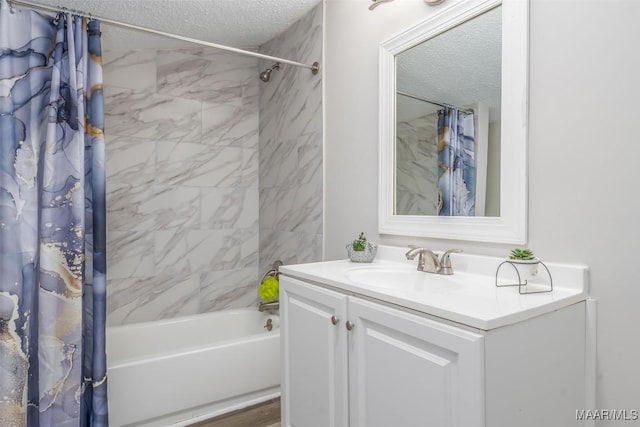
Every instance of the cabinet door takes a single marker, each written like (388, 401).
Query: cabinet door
(407, 370)
(314, 355)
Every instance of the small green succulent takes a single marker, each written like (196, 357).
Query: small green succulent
(360, 244)
(522, 254)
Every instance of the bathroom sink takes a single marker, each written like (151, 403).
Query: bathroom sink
(469, 296)
(403, 278)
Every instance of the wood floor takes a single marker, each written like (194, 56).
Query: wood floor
(266, 414)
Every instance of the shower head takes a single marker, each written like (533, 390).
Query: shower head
(265, 76)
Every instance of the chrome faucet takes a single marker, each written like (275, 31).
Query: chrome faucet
(429, 262)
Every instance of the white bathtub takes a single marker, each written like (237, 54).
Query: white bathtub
(184, 370)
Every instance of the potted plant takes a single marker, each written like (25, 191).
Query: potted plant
(525, 262)
(523, 256)
(361, 250)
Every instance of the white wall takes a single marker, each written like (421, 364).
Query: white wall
(583, 125)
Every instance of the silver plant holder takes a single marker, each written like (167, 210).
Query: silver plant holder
(367, 255)
(524, 268)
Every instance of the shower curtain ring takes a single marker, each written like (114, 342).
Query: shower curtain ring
(11, 9)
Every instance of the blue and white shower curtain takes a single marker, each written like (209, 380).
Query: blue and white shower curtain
(456, 163)
(52, 222)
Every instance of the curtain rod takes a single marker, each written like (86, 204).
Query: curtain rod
(464, 110)
(315, 67)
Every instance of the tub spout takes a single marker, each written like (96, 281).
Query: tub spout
(269, 306)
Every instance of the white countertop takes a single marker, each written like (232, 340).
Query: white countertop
(469, 296)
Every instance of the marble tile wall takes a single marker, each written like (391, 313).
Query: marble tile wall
(182, 182)
(211, 173)
(416, 166)
(291, 194)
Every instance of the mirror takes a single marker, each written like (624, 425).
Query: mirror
(463, 89)
(463, 69)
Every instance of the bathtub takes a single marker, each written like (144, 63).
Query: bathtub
(184, 370)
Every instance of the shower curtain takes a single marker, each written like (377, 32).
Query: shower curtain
(52, 222)
(456, 163)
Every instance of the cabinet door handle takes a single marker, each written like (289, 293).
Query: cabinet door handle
(349, 326)
(334, 320)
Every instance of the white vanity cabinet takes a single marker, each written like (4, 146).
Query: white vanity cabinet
(349, 360)
(408, 370)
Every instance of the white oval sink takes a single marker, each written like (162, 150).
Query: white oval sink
(401, 278)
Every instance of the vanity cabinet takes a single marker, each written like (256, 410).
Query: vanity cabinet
(349, 360)
(352, 362)
(314, 357)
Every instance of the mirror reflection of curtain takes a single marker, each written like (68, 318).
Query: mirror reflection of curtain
(456, 163)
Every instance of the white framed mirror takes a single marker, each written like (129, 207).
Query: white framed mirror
(490, 93)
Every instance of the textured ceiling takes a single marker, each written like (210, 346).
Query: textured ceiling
(237, 23)
(458, 67)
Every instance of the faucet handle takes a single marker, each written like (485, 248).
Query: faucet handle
(410, 254)
(445, 261)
